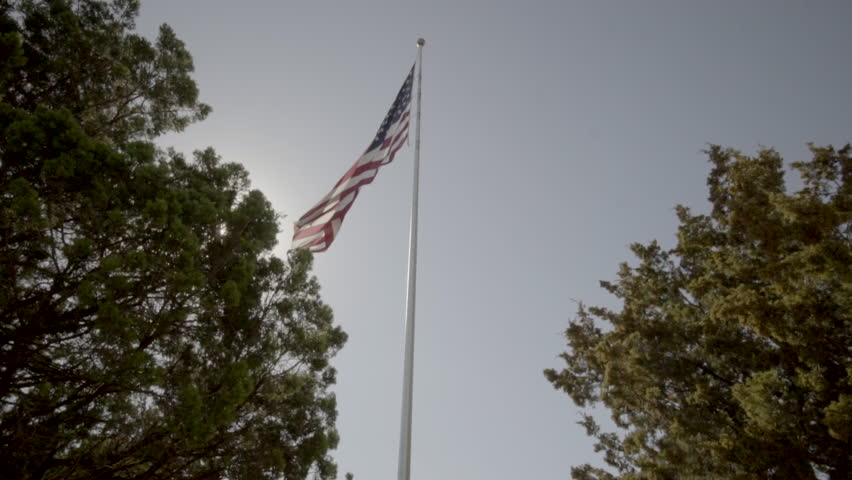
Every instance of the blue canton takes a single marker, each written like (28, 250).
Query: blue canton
(400, 105)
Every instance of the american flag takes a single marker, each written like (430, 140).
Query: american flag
(318, 227)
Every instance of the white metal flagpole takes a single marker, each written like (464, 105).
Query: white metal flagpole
(404, 472)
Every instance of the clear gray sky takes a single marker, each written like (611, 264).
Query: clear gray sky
(555, 133)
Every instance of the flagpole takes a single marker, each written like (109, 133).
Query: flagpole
(404, 472)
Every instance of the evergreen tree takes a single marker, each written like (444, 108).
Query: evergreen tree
(146, 329)
(732, 354)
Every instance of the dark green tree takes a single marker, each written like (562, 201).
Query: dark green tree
(731, 356)
(146, 329)
(81, 56)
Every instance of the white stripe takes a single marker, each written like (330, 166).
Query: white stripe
(378, 154)
(393, 131)
(352, 181)
(370, 156)
(300, 242)
(329, 210)
(330, 196)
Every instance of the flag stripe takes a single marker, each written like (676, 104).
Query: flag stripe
(346, 182)
(353, 184)
(362, 175)
(320, 223)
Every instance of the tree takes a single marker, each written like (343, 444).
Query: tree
(146, 329)
(82, 57)
(732, 354)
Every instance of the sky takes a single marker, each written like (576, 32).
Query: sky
(554, 135)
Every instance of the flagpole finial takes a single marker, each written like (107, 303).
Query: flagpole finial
(421, 42)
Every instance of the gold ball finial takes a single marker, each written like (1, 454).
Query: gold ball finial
(421, 42)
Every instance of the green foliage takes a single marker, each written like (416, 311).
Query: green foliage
(732, 354)
(79, 55)
(146, 329)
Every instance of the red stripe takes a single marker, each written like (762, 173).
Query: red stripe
(313, 229)
(389, 141)
(354, 171)
(316, 242)
(401, 144)
(328, 231)
(310, 231)
(327, 200)
(320, 209)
